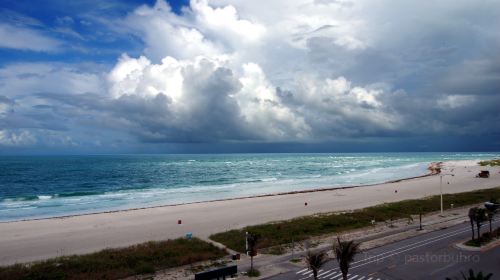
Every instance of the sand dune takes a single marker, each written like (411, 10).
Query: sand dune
(39, 239)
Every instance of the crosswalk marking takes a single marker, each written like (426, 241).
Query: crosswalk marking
(307, 272)
(302, 270)
(328, 275)
(336, 276)
(306, 277)
(310, 272)
(324, 273)
(331, 274)
(320, 274)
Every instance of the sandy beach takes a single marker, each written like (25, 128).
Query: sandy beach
(24, 241)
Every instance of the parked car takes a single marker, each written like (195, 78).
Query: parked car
(483, 174)
(492, 206)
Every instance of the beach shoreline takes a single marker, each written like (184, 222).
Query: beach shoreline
(30, 240)
(433, 169)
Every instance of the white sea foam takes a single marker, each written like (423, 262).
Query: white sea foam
(268, 179)
(215, 178)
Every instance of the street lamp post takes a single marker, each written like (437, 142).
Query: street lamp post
(441, 188)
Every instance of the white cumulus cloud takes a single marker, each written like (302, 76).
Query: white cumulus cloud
(266, 71)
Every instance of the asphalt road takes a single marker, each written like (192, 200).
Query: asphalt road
(427, 256)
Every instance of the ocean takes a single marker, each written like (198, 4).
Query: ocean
(52, 186)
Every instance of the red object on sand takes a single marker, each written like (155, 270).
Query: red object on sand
(179, 222)
(305, 204)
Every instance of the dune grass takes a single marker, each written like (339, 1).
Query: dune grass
(118, 263)
(493, 162)
(285, 232)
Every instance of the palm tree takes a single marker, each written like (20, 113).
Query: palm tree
(315, 260)
(345, 252)
(472, 215)
(479, 218)
(473, 276)
(253, 240)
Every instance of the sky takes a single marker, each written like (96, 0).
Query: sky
(213, 76)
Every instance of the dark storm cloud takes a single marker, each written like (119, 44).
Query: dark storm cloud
(211, 115)
(330, 73)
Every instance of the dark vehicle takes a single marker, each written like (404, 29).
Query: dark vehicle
(219, 273)
(492, 206)
(483, 174)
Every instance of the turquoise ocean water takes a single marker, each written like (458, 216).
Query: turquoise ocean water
(50, 186)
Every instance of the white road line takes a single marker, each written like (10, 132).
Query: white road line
(307, 277)
(310, 273)
(408, 249)
(398, 250)
(307, 272)
(336, 276)
(386, 252)
(319, 274)
(449, 234)
(362, 277)
(302, 270)
(406, 246)
(354, 277)
(328, 275)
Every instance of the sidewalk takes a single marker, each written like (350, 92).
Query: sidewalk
(377, 235)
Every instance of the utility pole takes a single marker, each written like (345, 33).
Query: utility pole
(441, 191)
(246, 243)
(441, 188)
(420, 218)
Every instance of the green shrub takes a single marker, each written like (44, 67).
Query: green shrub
(253, 273)
(117, 263)
(493, 162)
(284, 232)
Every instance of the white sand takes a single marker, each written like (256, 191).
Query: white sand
(39, 239)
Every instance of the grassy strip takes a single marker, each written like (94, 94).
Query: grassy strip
(118, 263)
(486, 237)
(493, 162)
(283, 232)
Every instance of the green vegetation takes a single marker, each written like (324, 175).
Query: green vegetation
(486, 238)
(253, 273)
(474, 276)
(118, 263)
(473, 243)
(493, 162)
(284, 232)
